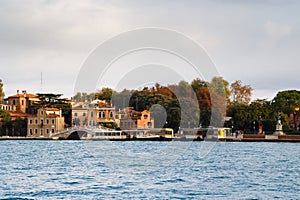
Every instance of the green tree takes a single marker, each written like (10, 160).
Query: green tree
(5, 120)
(104, 94)
(55, 101)
(83, 97)
(20, 127)
(287, 102)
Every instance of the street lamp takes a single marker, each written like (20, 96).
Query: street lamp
(296, 117)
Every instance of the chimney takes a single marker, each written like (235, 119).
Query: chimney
(24, 92)
(17, 91)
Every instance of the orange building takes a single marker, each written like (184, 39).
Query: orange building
(21, 102)
(131, 119)
(101, 113)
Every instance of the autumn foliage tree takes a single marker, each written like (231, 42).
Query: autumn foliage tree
(1, 91)
(241, 93)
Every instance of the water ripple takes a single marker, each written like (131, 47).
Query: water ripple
(79, 170)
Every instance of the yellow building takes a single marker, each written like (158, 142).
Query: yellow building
(21, 102)
(145, 120)
(47, 121)
(101, 113)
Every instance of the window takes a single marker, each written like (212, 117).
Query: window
(102, 114)
(30, 131)
(35, 131)
(47, 121)
(53, 121)
(42, 122)
(22, 102)
(75, 114)
(92, 114)
(145, 116)
(14, 102)
(149, 124)
(84, 114)
(30, 121)
(41, 132)
(42, 112)
(36, 121)
(111, 114)
(52, 130)
(47, 131)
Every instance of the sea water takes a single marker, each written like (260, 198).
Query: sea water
(148, 170)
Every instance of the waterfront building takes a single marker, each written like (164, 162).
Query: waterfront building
(131, 119)
(79, 114)
(95, 113)
(7, 107)
(101, 113)
(47, 121)
(21, 102)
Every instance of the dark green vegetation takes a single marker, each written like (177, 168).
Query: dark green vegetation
(55, 101)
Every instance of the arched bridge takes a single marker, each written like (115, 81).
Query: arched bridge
(78, 133)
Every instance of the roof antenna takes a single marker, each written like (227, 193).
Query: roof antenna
(41, 82)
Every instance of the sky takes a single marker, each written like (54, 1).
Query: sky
(255, 41)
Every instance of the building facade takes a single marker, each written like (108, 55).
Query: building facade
(131, 119)
(47, 121)
(79, 114)
(96, 113)
(21, 102)
(101, 113)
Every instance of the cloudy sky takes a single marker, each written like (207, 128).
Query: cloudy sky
(256, 41)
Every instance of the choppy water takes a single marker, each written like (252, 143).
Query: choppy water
(149, 170)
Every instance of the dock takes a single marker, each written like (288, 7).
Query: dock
(262, 138)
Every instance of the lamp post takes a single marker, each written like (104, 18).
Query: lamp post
(296, 117)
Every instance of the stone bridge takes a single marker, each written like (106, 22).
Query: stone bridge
(77, 133)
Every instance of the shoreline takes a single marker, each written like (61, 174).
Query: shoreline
(246, 138)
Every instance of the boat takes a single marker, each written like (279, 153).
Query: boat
(156, 134)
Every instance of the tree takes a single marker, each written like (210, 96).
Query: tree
(20, 127)
(54, 101)
(288, 102)
(82, 97)
(1, 92)
(104, 94)
(241, 93)
(121, 99)
(220, 86)
(5, 119)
